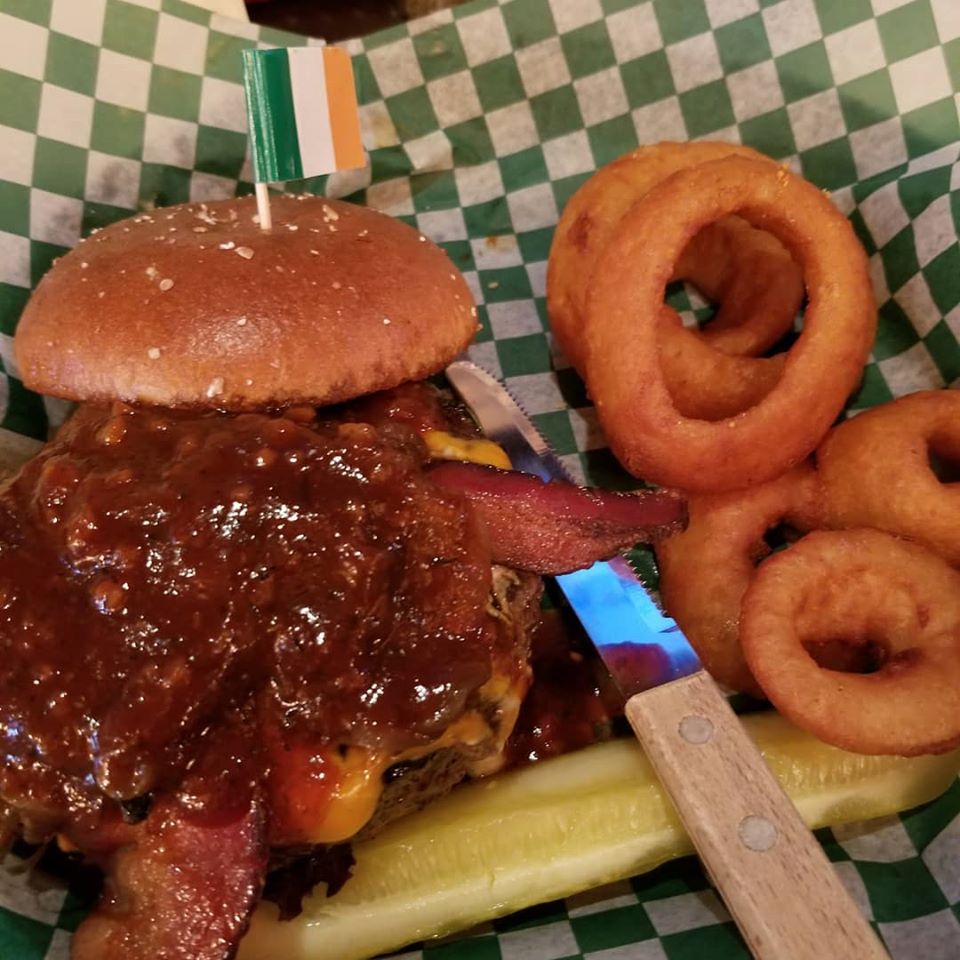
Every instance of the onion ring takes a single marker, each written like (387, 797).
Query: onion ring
(866, 588)
(705, 569)
(640, 419)
(749, 272)
(706, 384)
(876, 470)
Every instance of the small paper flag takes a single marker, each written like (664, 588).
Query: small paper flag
(302, 112)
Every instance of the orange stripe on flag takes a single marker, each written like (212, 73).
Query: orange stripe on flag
(342, 105)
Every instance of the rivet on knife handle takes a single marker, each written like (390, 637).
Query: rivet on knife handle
(773, 875)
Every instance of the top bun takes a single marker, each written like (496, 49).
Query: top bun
(195, 305)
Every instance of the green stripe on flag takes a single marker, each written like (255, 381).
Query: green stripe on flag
(274, 145)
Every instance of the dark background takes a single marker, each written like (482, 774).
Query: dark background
(339, 19)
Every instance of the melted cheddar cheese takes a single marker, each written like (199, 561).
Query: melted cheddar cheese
(445, 446)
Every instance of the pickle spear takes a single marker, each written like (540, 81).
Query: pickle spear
(554, 829)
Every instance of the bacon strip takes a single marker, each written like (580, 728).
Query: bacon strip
(182, 891)
(181, 884)
(558, 527)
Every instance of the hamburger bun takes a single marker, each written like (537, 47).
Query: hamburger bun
(196, 306)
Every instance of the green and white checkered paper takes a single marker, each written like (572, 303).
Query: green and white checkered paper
(480, 122)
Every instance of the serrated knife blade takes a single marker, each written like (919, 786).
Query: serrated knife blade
(769, 869)
(640, 646)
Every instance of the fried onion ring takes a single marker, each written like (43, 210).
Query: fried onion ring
(748, 272)
(865, 588)
(705, 569)
(876, 470)
(706, 384)
(649, 436)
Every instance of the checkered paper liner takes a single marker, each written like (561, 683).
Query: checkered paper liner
(480, 122)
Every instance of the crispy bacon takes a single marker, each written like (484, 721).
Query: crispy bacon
(181, 884)
(558, 527)
(182, 891)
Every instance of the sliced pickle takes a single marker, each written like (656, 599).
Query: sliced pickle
(555, 828)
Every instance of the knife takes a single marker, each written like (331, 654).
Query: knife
(772, 874)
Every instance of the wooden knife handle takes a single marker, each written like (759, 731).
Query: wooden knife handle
(768, 867)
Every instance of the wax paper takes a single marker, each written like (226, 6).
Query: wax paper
(480, 123)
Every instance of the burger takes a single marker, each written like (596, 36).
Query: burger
(247, 616)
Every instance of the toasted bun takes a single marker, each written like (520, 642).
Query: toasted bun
(196, 305)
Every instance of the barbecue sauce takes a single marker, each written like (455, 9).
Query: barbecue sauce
(572, 702)
(160, 571)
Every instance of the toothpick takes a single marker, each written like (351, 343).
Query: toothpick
(263, 206)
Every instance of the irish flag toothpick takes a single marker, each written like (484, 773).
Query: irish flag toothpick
(302, 115)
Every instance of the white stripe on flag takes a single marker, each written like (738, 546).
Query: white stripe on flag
(308, 83)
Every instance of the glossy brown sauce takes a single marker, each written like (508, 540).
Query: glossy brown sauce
(160, 572)
(572, 702)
